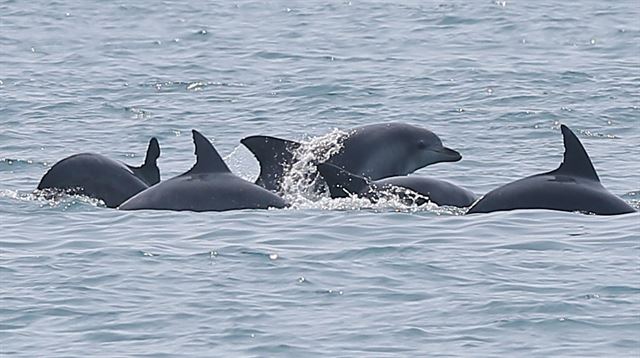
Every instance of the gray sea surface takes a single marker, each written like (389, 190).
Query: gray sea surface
(341, 278)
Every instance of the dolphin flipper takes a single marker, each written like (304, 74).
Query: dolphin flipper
(342, 183)
(275, 155)
(149, 172)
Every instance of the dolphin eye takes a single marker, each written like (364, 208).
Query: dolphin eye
(422, 145)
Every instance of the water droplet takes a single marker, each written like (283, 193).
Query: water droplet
(593, 41)
(202, 32)
(273, 256)
(195, 86)
(33, 49)
(301, 279)
(287, 10)
(67, 14)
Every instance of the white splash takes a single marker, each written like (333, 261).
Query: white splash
(51, 198)
(300, 182)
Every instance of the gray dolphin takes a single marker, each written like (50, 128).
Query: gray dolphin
(574, 186)
(99, 177)
(373, 151)
(440, 192)
(208, 186)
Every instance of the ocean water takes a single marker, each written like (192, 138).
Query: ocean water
(325, 278)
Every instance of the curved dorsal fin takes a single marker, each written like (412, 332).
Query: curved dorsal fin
(207, 158)
(341, 183)
(576, 161)
(274, 155)
(153, 151)
(149, 172)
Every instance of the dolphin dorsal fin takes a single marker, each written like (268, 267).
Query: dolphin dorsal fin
(149, 172)
(275, 155)
(153, 152)
(207, 158)
(576, 161)
(342, 183)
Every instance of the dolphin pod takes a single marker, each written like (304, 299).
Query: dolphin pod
(208, 186)
(99, 177)
(373, 162)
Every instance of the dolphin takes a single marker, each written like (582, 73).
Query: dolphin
(437, 191)
(99, 177)
(574, 186)
(208, 186)
(373, 151)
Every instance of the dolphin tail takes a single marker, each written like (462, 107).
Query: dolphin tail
(275, 156)
(342, 183)
(149, 171)
(576, 161)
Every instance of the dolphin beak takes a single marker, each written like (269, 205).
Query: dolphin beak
(448, 155)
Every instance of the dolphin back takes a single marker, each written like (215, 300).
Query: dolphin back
(93, 175)
(208, 186)
(574, 186)
(275, 156)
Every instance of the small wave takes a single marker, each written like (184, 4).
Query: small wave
(539, 245)
(633, 198)
(11, 163)
(48, 198)
(190, 86)
(588, 133)
(617, 290)
(138, 113)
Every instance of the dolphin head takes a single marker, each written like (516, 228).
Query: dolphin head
(424, 147)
